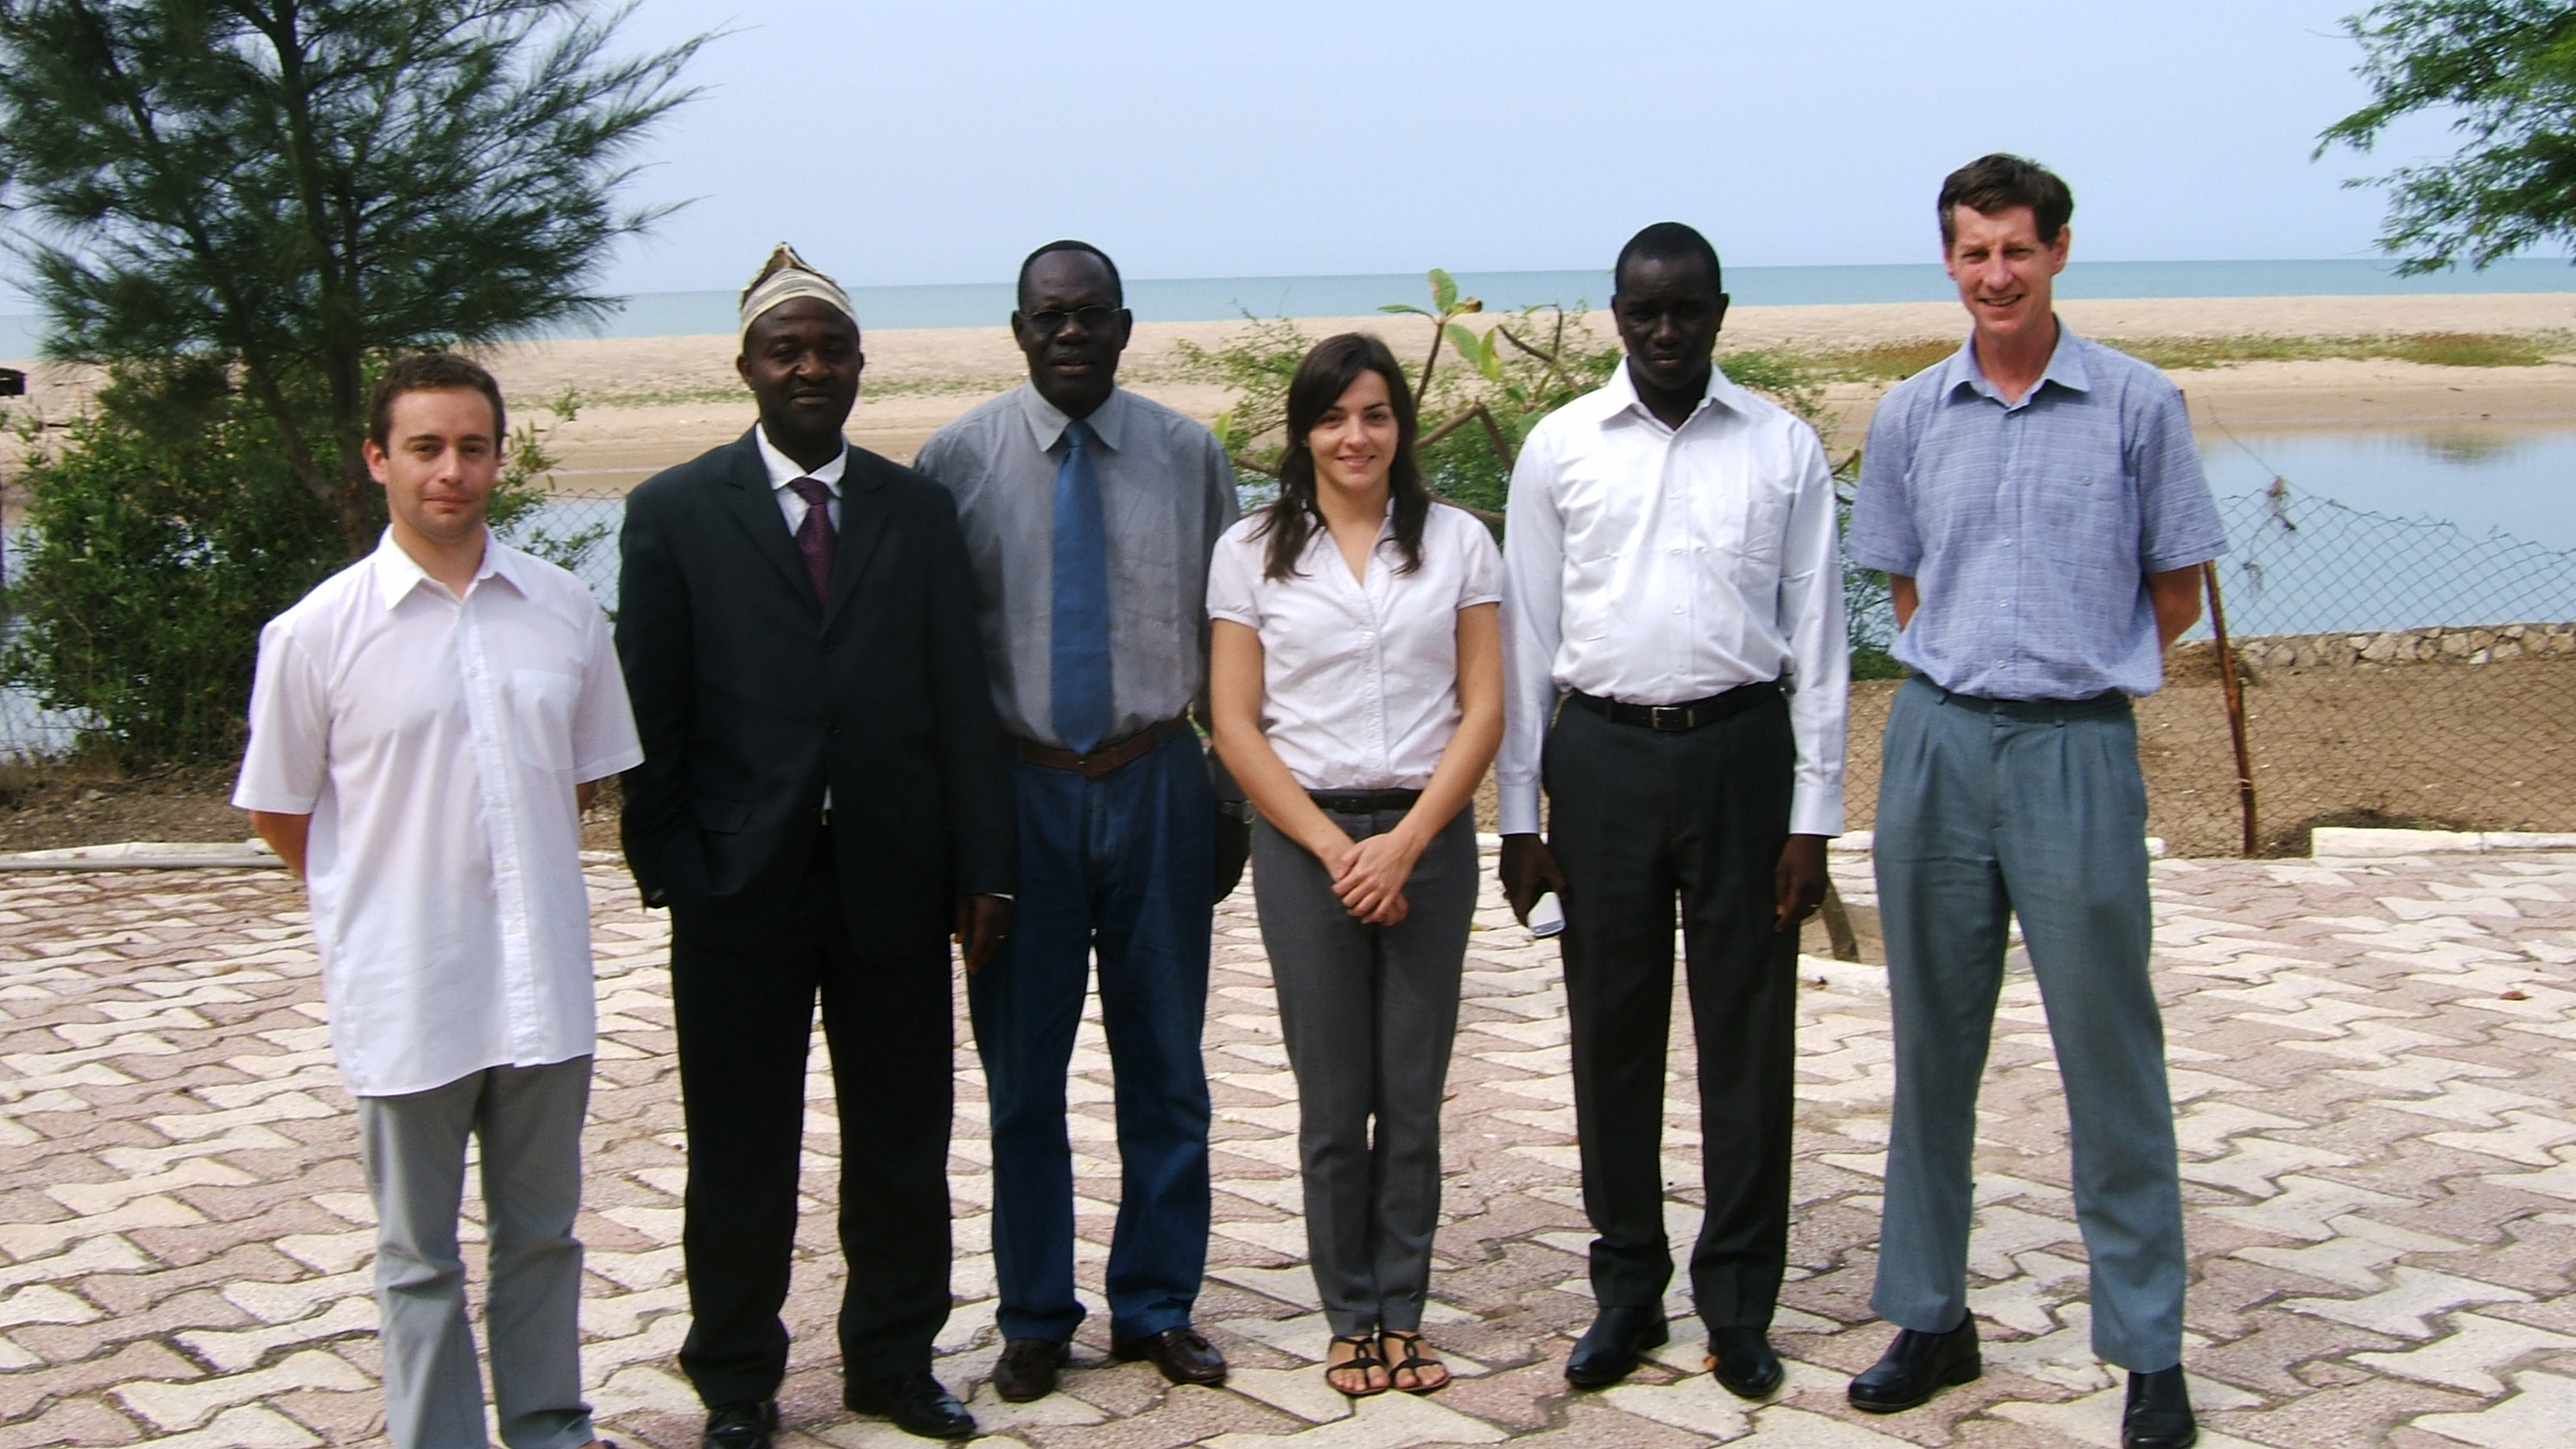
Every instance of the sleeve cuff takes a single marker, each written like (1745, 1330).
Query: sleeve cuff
(616, 764)
(1816, 810)
(2190, 558)
(1516, 806)
(1884, 563)
(268, 804)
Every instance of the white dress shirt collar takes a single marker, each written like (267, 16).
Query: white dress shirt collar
(397, 573)
(1047, 422)
(784, 470)
(1620, 396)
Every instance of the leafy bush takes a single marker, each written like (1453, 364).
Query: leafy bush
(1477, 411)
(159, 540)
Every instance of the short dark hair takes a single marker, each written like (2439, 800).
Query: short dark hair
(1993, 185)
(1668, 241)
(1117, 287)
(429, 372)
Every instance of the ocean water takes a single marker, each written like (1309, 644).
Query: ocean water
(976, 304)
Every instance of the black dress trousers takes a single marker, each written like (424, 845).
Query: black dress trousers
(1641, 820)
(743, 997)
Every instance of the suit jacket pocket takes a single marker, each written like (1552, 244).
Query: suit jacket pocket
(719, 817)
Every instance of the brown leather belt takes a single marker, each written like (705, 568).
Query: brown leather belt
(1114, 755)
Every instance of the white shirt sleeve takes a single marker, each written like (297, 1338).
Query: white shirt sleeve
(603, 724)
(1533, 597)
(1481, 580)
(1232, 571)
(1811, 619)
(289, 756)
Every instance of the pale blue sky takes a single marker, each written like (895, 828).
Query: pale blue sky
(905, 143)
(900, 143)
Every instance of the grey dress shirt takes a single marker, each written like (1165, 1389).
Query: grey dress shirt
(1166, 496)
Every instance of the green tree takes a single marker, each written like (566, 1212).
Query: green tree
(296, 187)
(2505, 71)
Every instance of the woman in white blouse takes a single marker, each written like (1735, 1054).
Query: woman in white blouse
(1355, 682)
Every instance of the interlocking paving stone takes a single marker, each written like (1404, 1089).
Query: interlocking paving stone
(2374, 1064)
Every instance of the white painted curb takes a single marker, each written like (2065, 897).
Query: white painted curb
(2342, 842)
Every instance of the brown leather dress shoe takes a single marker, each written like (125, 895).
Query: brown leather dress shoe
(1181, 1353)
(1027, 1369)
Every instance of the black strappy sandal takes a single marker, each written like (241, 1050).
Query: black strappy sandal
(1412, 1343)
(1364, 1356)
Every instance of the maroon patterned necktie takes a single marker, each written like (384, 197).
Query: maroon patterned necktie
(814, 537)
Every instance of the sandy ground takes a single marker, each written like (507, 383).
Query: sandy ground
(648, 403)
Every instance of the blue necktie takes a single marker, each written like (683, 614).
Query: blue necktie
(1078, 646)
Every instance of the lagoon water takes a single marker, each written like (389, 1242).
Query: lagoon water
(2521, 484)
(1214, 299)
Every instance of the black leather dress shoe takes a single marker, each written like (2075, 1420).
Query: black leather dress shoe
(1027, 1369)
(1744, 1361)
(740, 1426)
(916, 1402)
(2159, 1412)
(1608, 1351)
(1184, 1356)
(1917, 1366)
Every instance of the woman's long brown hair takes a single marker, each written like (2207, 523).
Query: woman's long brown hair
(1290, 521)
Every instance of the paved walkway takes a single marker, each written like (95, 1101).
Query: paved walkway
(2374, 1063)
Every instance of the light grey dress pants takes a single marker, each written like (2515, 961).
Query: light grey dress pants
(1369, 1012)
(1987, 810)
(528, 1120)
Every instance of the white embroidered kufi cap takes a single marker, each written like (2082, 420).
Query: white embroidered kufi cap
(785, 277)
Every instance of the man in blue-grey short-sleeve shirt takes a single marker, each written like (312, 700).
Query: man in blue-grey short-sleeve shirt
(2038, 507)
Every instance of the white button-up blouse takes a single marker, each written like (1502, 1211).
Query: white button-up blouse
(1359, 676)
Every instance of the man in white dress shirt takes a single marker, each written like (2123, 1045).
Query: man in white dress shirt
(426, 727)
(1674, 673)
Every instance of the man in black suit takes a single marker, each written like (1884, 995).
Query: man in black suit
(824, 805)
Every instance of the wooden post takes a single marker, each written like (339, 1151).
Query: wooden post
(1838, 926)
(2234, 690)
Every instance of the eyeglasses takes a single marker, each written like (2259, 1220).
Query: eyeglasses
(1094, 318)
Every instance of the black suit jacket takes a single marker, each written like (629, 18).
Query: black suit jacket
(751, 698)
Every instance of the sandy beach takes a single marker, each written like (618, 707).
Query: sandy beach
(646, 403)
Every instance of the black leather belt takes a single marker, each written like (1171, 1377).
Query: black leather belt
(2109, 701)
(1677, 718)
(1104, 758)
(1364, 802)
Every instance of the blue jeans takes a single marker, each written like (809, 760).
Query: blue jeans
(1123, 866)
(2035, 810)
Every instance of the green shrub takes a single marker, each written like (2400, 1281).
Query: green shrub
(161, 536)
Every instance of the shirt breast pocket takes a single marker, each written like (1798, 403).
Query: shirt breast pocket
(2087, 514)
(541, 707)
(1751, 527)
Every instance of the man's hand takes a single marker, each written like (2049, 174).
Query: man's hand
(1798, 885)
(982, 922)
(1530, 871)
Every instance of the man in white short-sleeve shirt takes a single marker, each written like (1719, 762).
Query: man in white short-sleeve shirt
(426, 727)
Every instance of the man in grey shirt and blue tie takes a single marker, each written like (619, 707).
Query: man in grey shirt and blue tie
(1090, 514)
(2038, 506)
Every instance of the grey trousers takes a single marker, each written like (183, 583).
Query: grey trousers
(1370, 1012)
(1987, 810)
(528, 1120)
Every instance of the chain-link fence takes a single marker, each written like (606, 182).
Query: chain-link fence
(2392, 670)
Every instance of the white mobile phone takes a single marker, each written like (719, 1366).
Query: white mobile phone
(1547, 916)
